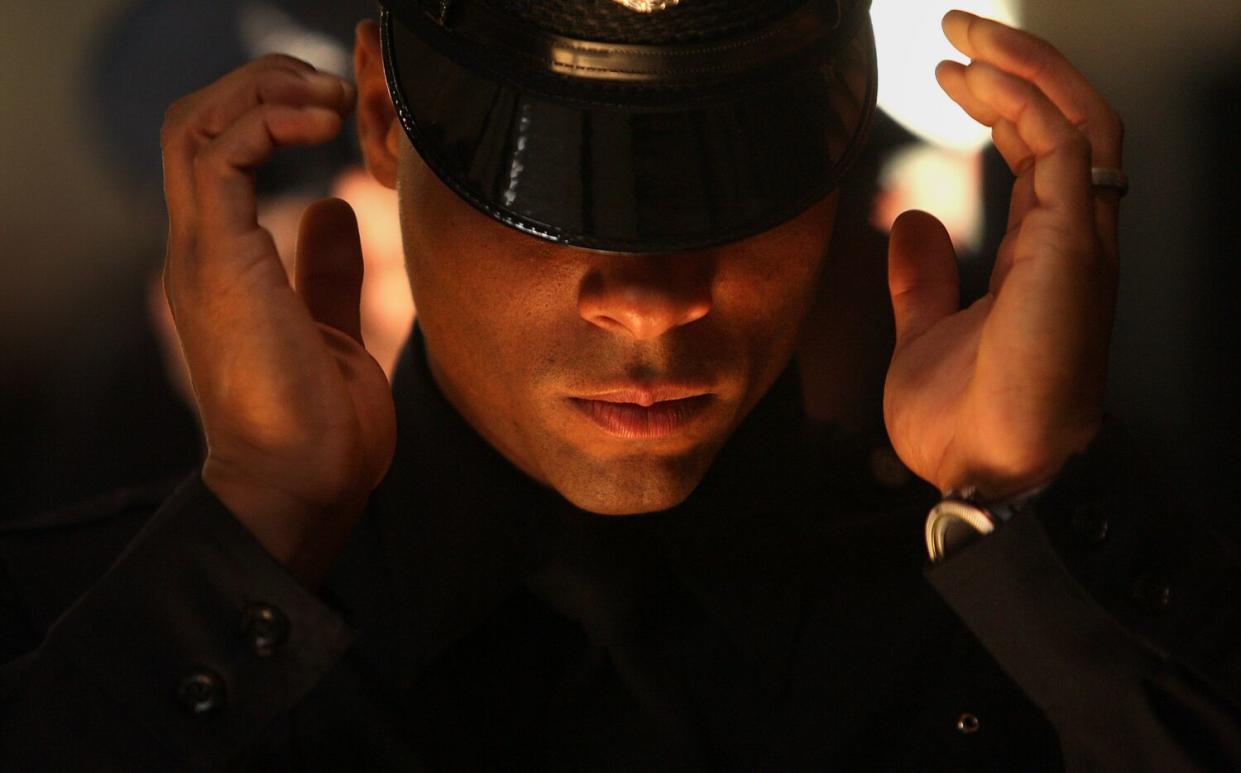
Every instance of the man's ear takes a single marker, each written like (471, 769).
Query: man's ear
(378, 129)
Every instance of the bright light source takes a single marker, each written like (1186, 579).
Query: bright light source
(945, 182)
(910, 42)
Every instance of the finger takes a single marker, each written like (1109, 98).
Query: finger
(183, 112)
(1012, 147)
(274, 87)
(1022, 201)
(951, 77)
(195, 120)
(273, 79)
(1020, 204)
(1030, 58)
(223, 169)
(1061, 153)
(922, 274)
(329, 266)
(1107, 221)
(1003, 265)
(1037, 61)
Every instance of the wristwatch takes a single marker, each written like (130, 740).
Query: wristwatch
(959, 519)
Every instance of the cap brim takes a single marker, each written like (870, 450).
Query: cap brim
(606, 175)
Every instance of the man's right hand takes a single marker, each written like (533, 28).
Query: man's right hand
(298, 418)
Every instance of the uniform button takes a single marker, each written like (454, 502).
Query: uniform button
(265, 628)
(201, 693)
(1090, 524)
(887, 468)
(968, 724)
(1152, 590)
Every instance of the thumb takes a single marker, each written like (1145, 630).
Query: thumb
(922, 274)
(328, 268)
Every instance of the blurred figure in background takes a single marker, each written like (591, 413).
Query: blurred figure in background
(117, 410)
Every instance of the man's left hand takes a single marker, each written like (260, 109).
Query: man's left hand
(997, 396)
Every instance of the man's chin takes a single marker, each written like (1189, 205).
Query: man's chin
(633, 486)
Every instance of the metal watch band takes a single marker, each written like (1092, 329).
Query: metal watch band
(958, 520)
(954, 523)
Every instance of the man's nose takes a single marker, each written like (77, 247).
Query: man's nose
(646, 296)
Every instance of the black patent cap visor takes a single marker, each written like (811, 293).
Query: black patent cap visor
(630, 148)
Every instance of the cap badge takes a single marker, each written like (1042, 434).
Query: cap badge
(647, 6)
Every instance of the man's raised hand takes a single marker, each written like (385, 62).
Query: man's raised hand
(298, 418)
(998, 396)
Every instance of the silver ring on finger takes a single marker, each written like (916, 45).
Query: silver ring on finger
(1110, 179)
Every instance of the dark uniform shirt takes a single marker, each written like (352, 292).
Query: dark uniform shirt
(782, 618)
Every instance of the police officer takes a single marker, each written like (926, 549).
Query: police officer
(614, 215)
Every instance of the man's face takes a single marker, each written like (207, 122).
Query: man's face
(612, 378)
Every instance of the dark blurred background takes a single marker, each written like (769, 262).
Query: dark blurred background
(84, 405)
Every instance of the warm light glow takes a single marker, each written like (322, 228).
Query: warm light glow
(945, 182)
(911, 43)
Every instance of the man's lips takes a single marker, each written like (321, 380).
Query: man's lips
(641, 413)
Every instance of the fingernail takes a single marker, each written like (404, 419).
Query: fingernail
(326, 78)
(334, 82)
(948, 16)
